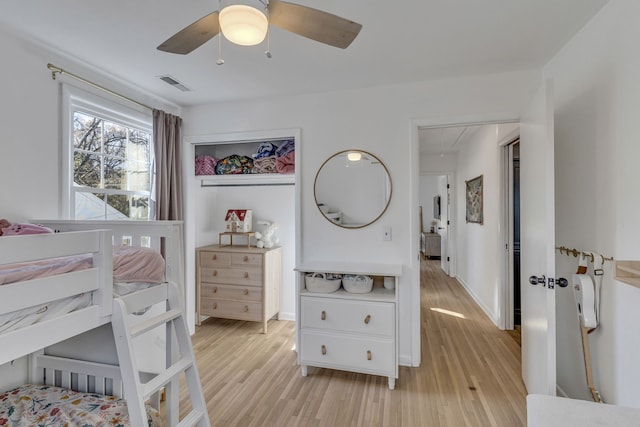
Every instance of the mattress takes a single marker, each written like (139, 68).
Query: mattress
(41, 405)
(134, 268)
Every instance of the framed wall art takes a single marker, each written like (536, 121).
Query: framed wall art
(474, 200)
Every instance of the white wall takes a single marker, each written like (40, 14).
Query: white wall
(478, 246)
(597, 105)
(30, 139)
(359, 119)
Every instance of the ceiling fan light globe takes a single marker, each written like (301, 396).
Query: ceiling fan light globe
(243, 25)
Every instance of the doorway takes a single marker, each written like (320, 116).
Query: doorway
(512, 216)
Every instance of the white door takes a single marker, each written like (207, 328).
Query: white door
(537, 243)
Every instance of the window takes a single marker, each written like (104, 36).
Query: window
(110, 159)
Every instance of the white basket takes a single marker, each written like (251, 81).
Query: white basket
(357, 284)
(318, 282)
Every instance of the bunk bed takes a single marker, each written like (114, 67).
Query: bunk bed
(155, 308)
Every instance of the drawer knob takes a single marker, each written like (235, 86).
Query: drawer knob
(246, 258)
(215, 305)
(246, 291)
(215, 273)
(246, 308)
(323, 316)
(246, 275)
(323, 349)
(368, 354)
(367, 319)
(214, 257)
(215, 289)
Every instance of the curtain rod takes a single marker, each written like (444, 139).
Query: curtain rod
(57, 70)
(575, 252)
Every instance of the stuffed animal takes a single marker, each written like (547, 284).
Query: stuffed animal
(267, 238)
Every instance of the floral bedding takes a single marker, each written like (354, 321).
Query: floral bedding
(46, 406)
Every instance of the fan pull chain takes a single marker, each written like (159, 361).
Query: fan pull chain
(268, 52)
(220, 61)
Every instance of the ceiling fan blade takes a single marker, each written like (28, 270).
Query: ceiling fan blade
(314, 24)
(192, 36)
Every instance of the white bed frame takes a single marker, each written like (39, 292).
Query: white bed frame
(96, 238)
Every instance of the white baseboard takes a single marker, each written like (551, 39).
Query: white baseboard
(484, 308)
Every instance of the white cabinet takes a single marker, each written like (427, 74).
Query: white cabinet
(349, 331)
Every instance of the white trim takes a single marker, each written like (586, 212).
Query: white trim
(414, 239)
(107, 107)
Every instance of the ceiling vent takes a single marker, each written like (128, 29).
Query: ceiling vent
(175, 83)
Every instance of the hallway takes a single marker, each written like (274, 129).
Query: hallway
(471, 368)
(470, 373)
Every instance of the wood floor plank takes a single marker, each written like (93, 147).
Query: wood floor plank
(469, 376)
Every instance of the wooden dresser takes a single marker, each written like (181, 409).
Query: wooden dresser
(236, 282)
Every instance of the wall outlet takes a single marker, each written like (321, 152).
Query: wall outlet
(386, 232)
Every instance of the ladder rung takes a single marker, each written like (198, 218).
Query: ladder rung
(191, 419)
(163, 378)
(154, 322)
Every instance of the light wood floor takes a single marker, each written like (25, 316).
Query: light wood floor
(470, 373)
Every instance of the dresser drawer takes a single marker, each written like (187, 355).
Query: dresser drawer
(372, 318)
(215, 259)
(246, 260)
(242, 276)
(369, 355)
(239, 310)
(231, 292)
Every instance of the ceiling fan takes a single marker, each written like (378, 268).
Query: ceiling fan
(247, 24)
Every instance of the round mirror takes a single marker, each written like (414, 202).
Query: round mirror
(352, 188)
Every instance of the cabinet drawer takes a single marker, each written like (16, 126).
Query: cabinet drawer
(241, 276)
(249, 260)
(372, 318)
(231, 292)
(215, 259)
(239, 310)
(349, 352)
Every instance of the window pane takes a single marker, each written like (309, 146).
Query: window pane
(119, 204)
(115, 139)
(139, 145)
(90, 206)
(86, 169)
(87, 132)
(139, 176)
(139, 208)
(115, 174)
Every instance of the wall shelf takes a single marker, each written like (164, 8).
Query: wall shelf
(628, 272)
(246, 179)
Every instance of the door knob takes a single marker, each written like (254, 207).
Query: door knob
(534, 280)
(562, 282)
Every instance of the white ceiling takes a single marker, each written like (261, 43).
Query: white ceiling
(403, 41)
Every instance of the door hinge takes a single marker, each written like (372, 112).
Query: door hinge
(448, 186)
(448, 222)
(448, 259)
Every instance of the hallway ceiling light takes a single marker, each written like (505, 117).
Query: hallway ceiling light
(354, 156)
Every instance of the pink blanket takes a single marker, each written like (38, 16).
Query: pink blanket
(130, 264)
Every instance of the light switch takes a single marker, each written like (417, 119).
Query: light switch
(386, 232)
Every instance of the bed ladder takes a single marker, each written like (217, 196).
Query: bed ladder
(180, 358)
